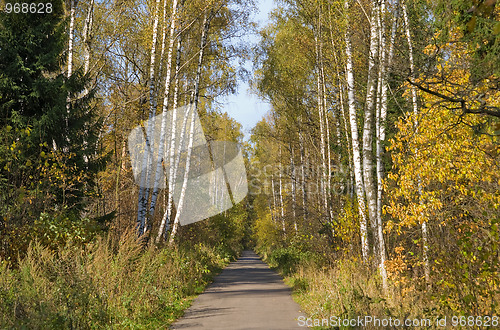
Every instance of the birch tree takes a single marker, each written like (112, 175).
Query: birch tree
(172, 147)
(147, 158)
(293, 179)
(381, 115)
(351, 101)
(368, 129)
(194, 103)
(72, 5)
(282, 206)
(321, 115)
(72, 9)
(87, 36)
(164, 117)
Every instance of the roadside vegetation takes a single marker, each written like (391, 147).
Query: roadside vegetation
(109, 283)
(374, 180)
(75, 79)
(376, 176)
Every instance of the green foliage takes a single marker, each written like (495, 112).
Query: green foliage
(110, 283)
(48, 133)
(55, 230)
(479, 22)
(224, 233)
(288, 259)
(267, 234)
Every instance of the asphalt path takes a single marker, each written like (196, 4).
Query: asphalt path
(246, 295)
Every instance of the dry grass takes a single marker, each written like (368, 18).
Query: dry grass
(110, 283)
(347, 289)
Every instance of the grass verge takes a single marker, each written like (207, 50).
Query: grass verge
(108, 283)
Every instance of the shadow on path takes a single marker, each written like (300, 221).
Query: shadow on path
(246, 295)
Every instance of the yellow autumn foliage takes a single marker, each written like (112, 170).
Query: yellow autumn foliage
(446, 172)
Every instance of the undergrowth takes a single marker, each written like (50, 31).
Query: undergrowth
(345, 289)
(109, 283)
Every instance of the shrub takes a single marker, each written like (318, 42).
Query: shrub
(287, 260)
(109, 283)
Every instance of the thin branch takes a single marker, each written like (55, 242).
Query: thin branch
(482, 110)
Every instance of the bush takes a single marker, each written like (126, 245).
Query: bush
(109, 283)
(52, 230)
(287, 260)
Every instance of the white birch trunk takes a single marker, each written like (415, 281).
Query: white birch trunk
(180, 207)
(163, 36)
(72, 5)
(273, 190)
(381, 114)
(196, 92)
(345, 119)
(425, 234)
(282, 206)
(355, 143)
(87, 30)
(167, 216)
(143, 189)
(294, 192)
(342, 115)
(163, 127)
(371, 87)
(328, 151)
(172, 147)
(323, 181)
(303, 176)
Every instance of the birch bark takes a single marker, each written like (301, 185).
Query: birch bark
(303, 176)
(323, 183)
(87, 30)
(146, 162)
(328, 151)
(368, 128)
(294, 193)
(381, 114)
(204, 36)
(72, 5)
(355, 142)
(163, 128)
(273, 190)
(282, 206)
(172, 147)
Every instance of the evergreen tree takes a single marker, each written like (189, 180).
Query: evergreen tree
(47, 126)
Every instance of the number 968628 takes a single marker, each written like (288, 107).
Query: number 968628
(27, 8)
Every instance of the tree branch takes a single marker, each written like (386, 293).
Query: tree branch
(482, 110)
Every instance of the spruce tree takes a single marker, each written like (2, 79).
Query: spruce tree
(47, 126)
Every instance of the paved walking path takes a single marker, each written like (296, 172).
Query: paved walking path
(246, 295)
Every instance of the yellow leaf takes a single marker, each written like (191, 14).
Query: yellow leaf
(496, 29)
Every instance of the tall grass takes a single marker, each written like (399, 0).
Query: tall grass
(110, 283)
(347, 288)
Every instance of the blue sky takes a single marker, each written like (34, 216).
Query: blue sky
(244, 106)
